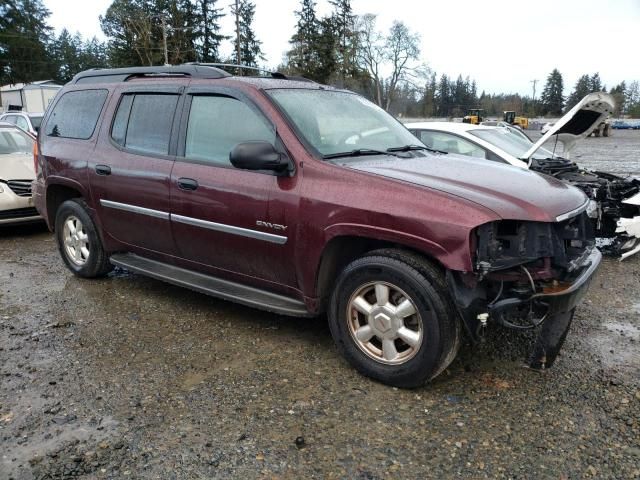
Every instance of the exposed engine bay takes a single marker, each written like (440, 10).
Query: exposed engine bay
(527, 275)
(615, 210)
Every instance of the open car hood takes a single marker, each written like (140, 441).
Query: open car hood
(577, 123)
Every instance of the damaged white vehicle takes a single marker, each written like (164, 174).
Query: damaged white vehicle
(615, 200)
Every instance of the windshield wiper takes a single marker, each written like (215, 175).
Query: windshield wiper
(407, 148)
(357, 153)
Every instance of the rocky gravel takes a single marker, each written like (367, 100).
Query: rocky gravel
(127, 377)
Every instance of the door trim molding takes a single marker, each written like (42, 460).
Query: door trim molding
(196, 222)
(221, 227)
(134, 209)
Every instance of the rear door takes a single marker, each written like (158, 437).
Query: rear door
(220, 214)
(129, 174)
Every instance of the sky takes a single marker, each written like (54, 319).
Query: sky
(503, 45)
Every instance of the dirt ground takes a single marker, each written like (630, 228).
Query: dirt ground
(127, 377)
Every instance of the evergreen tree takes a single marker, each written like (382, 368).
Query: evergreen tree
(582, 88)
(24, 36)
(443, 97)
(429, 98)
(250, 47)
(595, 84)
(66, 50)
(208, 30)
(344, 29)
(303, 57)
(552, 99)
(71, 54)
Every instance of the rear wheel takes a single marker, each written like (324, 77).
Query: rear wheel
(392, 318)
(78, 240)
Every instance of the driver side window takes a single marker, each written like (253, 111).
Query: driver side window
(218, 123)
(451, 144)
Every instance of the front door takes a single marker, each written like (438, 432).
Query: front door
(220, 214)
(130, 176)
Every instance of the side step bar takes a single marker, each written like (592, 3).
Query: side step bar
(216, 287)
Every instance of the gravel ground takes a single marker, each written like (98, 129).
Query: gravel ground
(127, 377)
(619, 153)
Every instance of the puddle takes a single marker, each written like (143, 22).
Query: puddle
(618, 345)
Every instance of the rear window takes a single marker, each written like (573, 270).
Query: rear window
(76, 114)
(143, 122)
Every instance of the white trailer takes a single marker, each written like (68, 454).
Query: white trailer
(28, 97)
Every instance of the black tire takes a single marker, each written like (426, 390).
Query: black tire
(96, 263)
(427, 289)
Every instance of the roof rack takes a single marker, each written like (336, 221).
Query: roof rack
(112, 75)
(278, 75)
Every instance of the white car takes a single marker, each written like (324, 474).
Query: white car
(16, 175)
(29, 122)
(615, 207)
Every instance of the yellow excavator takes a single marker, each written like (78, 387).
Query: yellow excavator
(474, 116)
(510, 118)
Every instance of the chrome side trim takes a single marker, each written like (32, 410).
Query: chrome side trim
(572, 213)
(221, 227)
(134, 209)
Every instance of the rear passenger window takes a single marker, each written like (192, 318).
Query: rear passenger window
(451, 144)
(217, 124)
(76, 114)
(143, 122)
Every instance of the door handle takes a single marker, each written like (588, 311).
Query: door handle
(103, 169)
(187, 184)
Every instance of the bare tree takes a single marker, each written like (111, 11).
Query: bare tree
(371, 53)
(401, 48)
(395, 54)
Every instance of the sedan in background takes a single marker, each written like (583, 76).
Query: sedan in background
(16, 175)
(615, 206)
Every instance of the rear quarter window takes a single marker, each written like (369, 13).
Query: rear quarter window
(143, 122)
(76, 114)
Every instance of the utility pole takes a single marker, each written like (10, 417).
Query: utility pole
(238, 60)
(533, 99)
(163, 19)
(533, 82)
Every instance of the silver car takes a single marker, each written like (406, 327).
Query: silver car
(16, 174)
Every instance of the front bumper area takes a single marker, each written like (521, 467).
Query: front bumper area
(563, 299)
(15, 209)
(549, 308)
(561, 307)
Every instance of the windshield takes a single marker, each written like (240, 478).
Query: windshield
(35, 121)
(13, 140)
(512, 143)
(336, 122)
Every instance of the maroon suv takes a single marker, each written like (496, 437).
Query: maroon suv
(300, 199)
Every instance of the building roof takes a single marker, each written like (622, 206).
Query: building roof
(22, 86)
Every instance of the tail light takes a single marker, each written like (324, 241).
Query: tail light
(35, 157)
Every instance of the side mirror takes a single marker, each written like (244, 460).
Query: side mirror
(258, 156)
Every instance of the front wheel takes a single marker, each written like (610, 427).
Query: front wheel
(392, 318)
(78, 240)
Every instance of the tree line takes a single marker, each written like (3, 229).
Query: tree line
(341, 49)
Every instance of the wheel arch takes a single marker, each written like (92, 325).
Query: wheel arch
(341, 250)
(59, 191)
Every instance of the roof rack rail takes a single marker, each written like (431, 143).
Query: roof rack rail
(112, 75)
(278, 75)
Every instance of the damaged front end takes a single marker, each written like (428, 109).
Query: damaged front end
(615, 206)
(527, 275)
